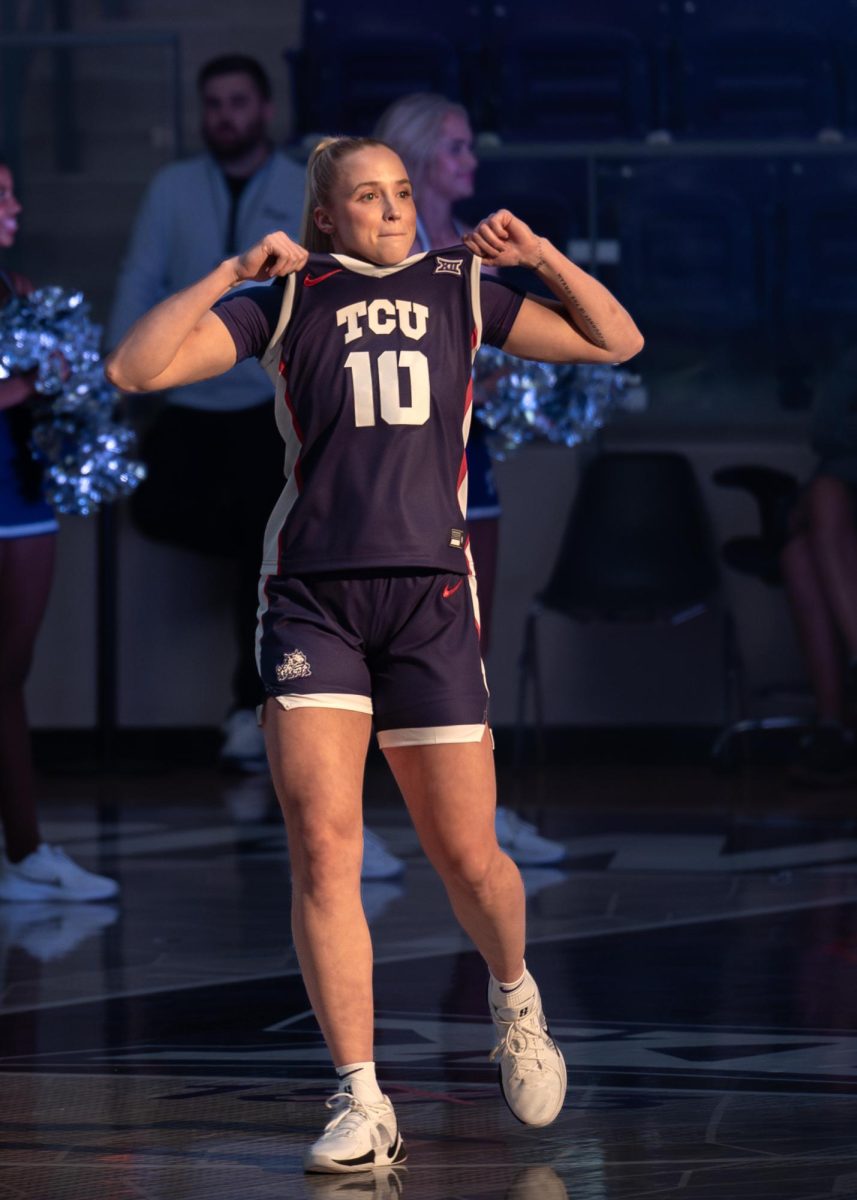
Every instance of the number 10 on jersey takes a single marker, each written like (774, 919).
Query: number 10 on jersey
(392, 365)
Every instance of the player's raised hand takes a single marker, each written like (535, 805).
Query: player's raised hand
(275, 254)
(504, 240)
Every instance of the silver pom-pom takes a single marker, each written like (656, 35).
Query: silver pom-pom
(87, 455)
(520, 401)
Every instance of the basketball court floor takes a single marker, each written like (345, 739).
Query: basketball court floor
(697, 956)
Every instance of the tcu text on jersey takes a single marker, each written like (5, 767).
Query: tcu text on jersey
(382, 317)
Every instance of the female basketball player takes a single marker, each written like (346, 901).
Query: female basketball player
(367, 603)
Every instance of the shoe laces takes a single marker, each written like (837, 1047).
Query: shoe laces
(523, 1040)
(351, 1113)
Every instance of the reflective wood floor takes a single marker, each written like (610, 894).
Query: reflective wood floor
(697, 955)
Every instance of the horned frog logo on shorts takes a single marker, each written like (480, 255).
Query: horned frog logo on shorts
(293, 666)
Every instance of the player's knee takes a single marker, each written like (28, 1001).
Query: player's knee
(469, 866)
(325, 859)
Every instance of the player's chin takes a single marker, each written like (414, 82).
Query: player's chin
(392, 248)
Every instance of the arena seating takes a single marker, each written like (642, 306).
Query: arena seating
(695, 240)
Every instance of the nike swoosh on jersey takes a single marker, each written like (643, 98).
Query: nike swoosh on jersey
(450, 591)
(312, 280)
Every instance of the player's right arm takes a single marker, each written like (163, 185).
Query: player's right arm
(180, 340)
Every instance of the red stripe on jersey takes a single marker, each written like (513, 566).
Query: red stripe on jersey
(474, 338)
(462, 472)
(468, 396)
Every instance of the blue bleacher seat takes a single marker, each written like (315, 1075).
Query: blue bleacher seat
(747, 68)
(549, 194)
(694, 242)
(353, 63)
(843, 38)
(819, 260)
(586, 70)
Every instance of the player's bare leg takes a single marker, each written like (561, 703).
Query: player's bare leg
(450, 793)
(317, 761)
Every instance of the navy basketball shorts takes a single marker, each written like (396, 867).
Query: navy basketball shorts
(403, 648)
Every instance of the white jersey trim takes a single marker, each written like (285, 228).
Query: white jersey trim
(359, 267)
(431, 735)
(270, 360)
(476, 301)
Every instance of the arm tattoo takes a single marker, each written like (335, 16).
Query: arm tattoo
(581, 318)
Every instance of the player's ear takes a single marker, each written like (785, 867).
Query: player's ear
(322, 220)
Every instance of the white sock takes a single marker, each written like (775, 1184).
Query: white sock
(359, 1079)
(512, 995)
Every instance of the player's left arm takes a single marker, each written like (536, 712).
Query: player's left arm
(586, 323)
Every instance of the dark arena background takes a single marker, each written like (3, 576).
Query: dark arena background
(655, 697)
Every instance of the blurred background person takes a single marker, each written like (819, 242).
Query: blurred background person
(194, 214)
(30, 869)
(819, 564)
(433, 137)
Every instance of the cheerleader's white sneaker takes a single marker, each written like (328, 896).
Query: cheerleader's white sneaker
(378, 862)
(523, 842)
(532, 1070)
(359, 1137)
(49, 874)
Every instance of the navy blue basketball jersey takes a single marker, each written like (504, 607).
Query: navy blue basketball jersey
(372, 368)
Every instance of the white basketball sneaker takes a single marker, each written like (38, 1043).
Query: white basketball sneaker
(243, 746)
(359, 1137)
(532, 1070)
